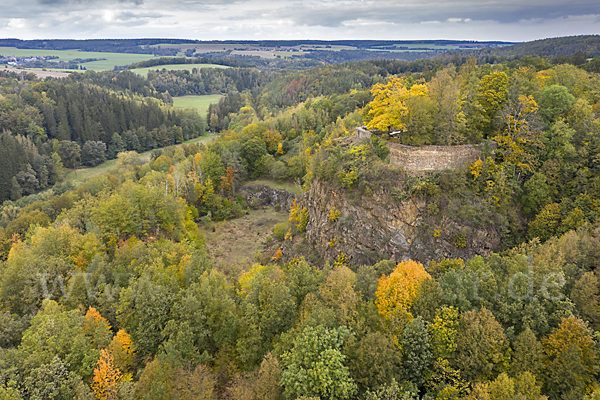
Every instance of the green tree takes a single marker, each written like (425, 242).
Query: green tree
(559, 142)
(45, 381)
(373, 360)
(93, 153)
(144, 309)
(537, 193)
(8, 392)
(450, 119)
(315, 365)
(269, 309)
(253, 152)
(70, 153)
(586, 296)
(571, 359)
(416, 350)
(58, 333)
(443, 331)
(481, 345)
(527, 354)
(211, 165)
(554, 102)
(502, 388)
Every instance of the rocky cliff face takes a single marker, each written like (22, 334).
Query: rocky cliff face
(260, 195)
(384, 226)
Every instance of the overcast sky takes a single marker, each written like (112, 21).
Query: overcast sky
(509, 20)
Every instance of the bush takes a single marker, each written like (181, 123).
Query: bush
(280, 230)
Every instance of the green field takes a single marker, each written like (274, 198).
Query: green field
(112, 59)
(176, 67)
(200, 103)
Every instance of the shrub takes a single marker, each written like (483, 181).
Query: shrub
(280, 230)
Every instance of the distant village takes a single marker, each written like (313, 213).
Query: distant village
(18, 61)
(45, 62)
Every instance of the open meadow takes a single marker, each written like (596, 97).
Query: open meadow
(200, 103)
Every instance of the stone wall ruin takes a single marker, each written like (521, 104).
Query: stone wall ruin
(427, 158)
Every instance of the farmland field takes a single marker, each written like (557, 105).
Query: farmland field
(176, 67)
(200, 103)
(112, 59)
(47, 73)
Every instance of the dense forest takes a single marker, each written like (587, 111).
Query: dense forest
(49, 125)
(108, 289)
(575, 50)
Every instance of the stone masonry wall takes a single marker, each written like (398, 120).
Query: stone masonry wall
(431, 158)
(362, 133)
(426, 158)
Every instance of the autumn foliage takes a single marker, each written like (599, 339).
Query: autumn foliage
(106, 377)
(122, 350)
(397, 292)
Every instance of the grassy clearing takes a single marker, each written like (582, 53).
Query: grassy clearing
(235, 242)
(200, 103)
(80, 175)
(112, 59)
(290, 187)
(176, 67)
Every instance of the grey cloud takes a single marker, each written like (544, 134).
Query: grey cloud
(334, 15)
(125, 16)
(86, 2)
(302, 18)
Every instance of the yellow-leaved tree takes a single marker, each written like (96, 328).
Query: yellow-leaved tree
(387, 108)
(106, 377)
(396, 293)
(518, 136)
(122, 350)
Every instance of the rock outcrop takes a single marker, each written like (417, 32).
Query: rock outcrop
(260, 196)
(379, 226)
